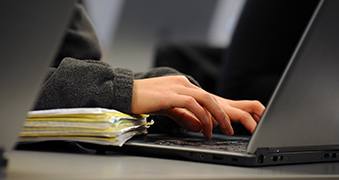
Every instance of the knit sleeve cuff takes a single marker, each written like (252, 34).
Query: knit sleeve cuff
(123, 90)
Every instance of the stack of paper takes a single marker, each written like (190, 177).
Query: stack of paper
(91, 125)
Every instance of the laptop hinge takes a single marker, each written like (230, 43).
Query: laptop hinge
(297, 149)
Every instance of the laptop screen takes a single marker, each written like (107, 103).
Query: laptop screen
(30, 33)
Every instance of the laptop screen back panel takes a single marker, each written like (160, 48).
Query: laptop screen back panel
(30, 34)
(304, 109)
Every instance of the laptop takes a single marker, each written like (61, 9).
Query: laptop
(300, 123)
(30, 34)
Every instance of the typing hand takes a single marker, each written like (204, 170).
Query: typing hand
(190, 106)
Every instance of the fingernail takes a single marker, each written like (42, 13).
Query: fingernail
(230, 130)
(206, 120)
(208, 135)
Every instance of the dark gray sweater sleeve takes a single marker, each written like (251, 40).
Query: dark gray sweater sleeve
(86, 83)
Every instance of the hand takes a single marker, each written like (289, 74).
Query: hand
(176, 97)
(245, 112)
(190, 106)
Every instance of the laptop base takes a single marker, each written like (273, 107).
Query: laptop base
(147, 145)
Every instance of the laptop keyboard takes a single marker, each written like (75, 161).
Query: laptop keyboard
(228, 145)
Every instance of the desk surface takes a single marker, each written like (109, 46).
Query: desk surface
(54, 165)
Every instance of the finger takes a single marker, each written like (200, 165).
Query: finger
(185, 119)
(256, 117)
(252, 107)
(243, 117)
(210, 103)
(189, 103)
(207, 129)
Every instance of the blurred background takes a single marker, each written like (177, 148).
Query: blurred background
(130, 30)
